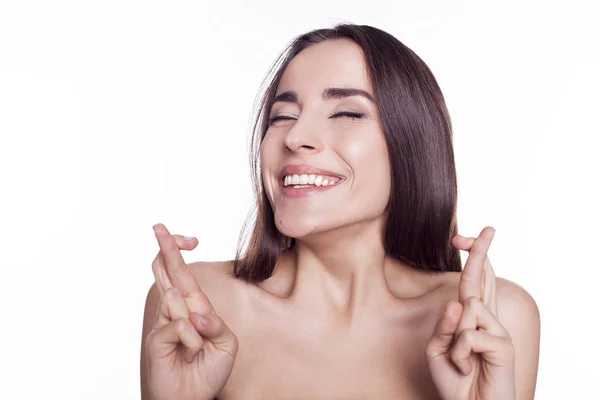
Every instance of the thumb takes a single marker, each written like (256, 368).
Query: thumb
(213, 328)
(444, 330)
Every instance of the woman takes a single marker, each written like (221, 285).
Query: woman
(351, 286)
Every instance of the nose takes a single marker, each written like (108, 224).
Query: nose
(303, 137)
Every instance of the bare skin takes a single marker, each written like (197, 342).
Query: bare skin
(377, 351)
(289, 349)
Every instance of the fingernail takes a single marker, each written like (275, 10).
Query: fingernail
(203, 320)
(189, 238)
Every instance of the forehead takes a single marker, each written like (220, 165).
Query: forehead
(332, 63)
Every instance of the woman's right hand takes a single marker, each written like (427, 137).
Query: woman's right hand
(187, 357)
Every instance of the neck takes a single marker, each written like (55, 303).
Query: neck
(342, 271)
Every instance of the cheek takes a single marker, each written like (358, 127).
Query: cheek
(270, 149)
(268, 161)
(369, 159)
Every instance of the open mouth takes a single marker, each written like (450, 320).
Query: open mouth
(298, 181)
(300, 185)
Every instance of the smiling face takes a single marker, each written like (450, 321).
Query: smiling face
(324, 158)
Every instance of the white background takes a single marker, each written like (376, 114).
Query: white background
(116, 115)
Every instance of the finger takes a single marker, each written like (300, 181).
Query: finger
(176, 268)
(160, 273)
(443, 333)
(213, 328)
(471, 276)
(172, 306)
(489, 277)
(161, 342)
(159, 265)
(489, 297)
(497, 351)
(179, 273)
(463, 242)
(476, 315)
(185, 242)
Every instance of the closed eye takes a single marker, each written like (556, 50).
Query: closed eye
(346, 114)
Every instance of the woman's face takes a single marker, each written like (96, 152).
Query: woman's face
(323, 169)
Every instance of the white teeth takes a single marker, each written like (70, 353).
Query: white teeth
(305, 179)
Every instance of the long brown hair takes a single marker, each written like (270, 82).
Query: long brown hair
(421, 213)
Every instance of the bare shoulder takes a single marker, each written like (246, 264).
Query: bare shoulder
(212, 272)
(217, 281)
(516, 306)
(510, 296)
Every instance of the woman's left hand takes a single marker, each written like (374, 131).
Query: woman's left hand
(470, 354)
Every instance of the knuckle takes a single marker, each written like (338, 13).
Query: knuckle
(472, 302)
(181, 324)
(455, 354)
(171, 294)
(431, 350)
(467, 335)
(197, 345)
(151, 340)
(195, 296)
(217, 322)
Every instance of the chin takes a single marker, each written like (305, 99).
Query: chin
(299, 226)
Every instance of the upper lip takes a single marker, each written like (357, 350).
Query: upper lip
(298, 169)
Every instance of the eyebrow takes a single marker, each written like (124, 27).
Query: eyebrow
(328, 94)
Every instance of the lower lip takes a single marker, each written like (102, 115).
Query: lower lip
(309, 190)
